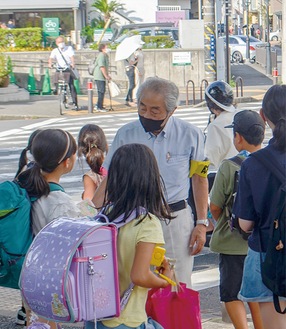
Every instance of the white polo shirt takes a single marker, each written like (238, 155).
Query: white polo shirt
(67, 53)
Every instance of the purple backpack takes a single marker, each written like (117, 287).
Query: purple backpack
(70, 272)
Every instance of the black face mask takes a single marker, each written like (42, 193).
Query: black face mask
(150, 125)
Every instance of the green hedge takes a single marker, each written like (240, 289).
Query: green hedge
(21, 39)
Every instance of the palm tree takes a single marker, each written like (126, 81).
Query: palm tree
(107, 8)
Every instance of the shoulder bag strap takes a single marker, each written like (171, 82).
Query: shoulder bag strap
(63, 57)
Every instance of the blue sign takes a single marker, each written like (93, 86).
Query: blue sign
(212, 47)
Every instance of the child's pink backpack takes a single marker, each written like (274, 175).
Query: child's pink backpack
(70, 272)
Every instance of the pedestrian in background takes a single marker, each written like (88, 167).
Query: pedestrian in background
(219, 144)
(179, 149)
(64, 57)
(101, 75)
(256, 207)
(248, 134)
(93, 146)
(139, 70)
(130, 65)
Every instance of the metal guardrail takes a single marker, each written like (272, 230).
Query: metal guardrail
(187, 92)
(205, 83)
(203, 86)
(239, 81)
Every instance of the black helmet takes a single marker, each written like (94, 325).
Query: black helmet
(221, 94)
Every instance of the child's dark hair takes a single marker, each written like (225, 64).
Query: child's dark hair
(92, 145)
(50, 148)
(274, 108)
(23, 160)
(134, 181)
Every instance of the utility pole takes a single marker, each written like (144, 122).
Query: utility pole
(268, 50)
(247, 3)
(227, 64)
(209, 39)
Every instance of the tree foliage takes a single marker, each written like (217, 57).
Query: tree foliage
(107, 8)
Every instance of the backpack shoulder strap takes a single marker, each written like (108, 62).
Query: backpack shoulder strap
(270, 163)
(237, 160)
(119, 220)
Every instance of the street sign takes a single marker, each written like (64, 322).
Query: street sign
(51, 26)
(181, 58)
(212, 47)
(50, 30)
(107, 35)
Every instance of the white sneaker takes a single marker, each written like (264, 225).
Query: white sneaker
(100, 110)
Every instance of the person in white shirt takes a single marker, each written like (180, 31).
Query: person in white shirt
(64, 57)
(219, 144)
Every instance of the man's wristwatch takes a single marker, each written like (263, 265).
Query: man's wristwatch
(202, 222)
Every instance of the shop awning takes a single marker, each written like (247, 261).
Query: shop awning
(20, 5)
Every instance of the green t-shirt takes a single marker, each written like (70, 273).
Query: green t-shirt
(102, 60)
(223, 240)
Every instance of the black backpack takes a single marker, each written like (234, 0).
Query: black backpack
(273, 268)
(232, 218)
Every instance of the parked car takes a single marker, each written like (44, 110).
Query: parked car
(172, 32)
(237, 44)
(275, 35)
(123, 29)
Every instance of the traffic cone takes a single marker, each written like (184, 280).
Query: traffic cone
(32, 82)
(10, 68)
(77, 86)
(46, 87)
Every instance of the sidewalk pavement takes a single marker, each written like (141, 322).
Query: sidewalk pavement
(48, 106)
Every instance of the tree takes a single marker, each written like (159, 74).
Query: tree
(107, 8)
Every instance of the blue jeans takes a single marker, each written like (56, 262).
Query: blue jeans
(100, 93)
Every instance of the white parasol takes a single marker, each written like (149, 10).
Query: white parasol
(128, 46)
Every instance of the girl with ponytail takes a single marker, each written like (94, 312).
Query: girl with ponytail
(92, 145)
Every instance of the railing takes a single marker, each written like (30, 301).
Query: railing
(239, 81)
(205, 83)
(187, 92)
(169, 8)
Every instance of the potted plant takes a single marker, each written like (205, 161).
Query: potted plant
(4, 71)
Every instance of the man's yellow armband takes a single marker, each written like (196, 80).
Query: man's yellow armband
(199, 167)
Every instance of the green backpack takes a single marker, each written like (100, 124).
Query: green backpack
(15, 230)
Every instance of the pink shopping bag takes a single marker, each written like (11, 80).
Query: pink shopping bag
(175, 309)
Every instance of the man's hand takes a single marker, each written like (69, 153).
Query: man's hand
(198, 239)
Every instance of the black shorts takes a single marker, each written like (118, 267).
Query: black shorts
(231, 270)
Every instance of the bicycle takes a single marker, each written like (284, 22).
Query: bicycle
(62, 90)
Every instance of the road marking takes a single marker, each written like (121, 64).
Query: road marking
(205, 279)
